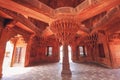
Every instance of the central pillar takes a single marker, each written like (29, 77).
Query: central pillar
(65, 27)
(65, 64)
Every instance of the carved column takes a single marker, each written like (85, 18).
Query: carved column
(65, 28)
(28, 49)
(3, 40)
(2, 52)
(14, 41)
(65, 64)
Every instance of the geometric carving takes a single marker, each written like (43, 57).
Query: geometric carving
(92, 39)
(114, 37)
(65, 28)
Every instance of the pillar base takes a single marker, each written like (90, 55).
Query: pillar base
(1, 75)
(66, 72)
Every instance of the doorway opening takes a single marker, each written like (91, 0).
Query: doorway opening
(69, 54)
(8, 54)
(14, 57)
(15, 52)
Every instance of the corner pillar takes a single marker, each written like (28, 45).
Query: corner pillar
(14, 41)
(3, 40)
(28, 49)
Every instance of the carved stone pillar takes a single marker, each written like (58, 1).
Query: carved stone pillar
(65, 64)
(14, 41)
(3, 40)
(65, 28)
(28, 49)
(2, 51)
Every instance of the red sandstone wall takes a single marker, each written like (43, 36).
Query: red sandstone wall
(107, 59)
(76, 56)
(40, 48)
(93, 54)
(76, 53)
(115, 53)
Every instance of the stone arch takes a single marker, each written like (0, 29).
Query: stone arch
(8, 33)
(19, 51)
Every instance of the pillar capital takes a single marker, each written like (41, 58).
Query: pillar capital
(65, 27)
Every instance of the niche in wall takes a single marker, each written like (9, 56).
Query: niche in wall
(82, 51)
(101, 51)
(49, 51)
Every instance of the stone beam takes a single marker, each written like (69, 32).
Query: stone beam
(47, 32)
(82, 6)
(20, 31)
(11, 23)
(24, 27)
(2, 14)
(107, 19)
(22, 20)
(97, 8)
(84, 29)
(114, 27)
(31, 8)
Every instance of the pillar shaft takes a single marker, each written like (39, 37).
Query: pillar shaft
(14, 52)
(28, 49)
(3, 40)
(65, 64)
(2, 52)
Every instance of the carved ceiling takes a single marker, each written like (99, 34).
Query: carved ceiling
(61, 3)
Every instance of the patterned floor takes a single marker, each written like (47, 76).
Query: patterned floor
(52, 71)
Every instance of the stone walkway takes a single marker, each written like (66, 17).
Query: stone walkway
(52, 71)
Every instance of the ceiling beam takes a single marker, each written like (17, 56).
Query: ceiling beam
(22, 20)
(5, 15)
(24, 27)
(11, 23)
(47, 32)
(84, 29)
(18, 30)
(31, 8)
(114, 26)
(97, 8)
(106, 21)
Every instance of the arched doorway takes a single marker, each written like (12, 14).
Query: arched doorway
(15, 52)
(14, 57)
(18, 56)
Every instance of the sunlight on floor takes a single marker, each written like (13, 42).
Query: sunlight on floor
(51, 71)
(11, 71)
